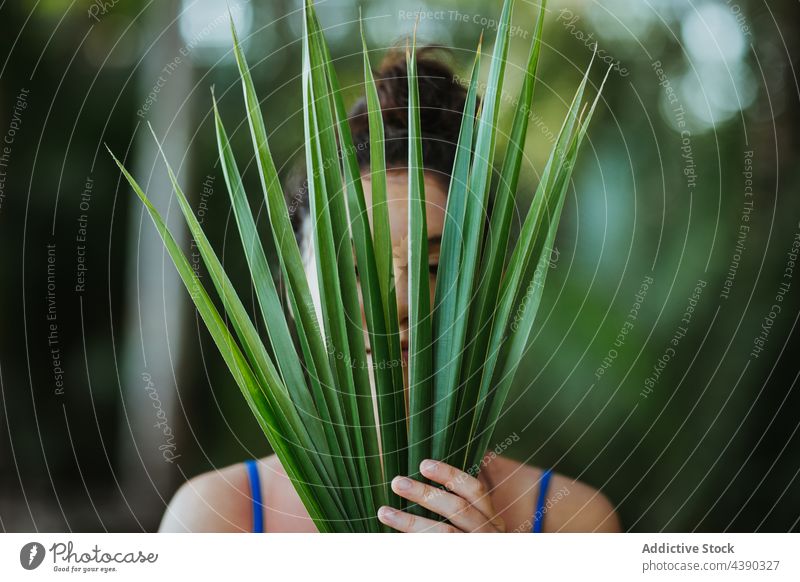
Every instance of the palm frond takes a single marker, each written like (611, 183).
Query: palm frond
(420, 325)
(333, 403)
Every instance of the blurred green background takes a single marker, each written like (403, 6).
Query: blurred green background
(680, 405)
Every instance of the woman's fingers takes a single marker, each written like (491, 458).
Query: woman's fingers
(455, 509)
(461, 483)
(405, 522)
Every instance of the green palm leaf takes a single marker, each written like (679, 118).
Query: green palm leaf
(479, 179)
(260, 397)
(391, 393)
(446, 303)
(420, 326)
(332, 404)
(528, 295)
(308, 326)
(483, 312)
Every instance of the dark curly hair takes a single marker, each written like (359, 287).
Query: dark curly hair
(442, 100)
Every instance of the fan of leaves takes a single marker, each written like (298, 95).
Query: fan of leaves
(313, 396)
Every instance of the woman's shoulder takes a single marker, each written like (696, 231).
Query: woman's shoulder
(220, 500)
(569, 505)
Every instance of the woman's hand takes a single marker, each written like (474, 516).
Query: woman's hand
(465, 504)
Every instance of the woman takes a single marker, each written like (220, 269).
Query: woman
(506, 496)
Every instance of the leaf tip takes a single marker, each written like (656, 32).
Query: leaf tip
(111, 153)
(214, 99)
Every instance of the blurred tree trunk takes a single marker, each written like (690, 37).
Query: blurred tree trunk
(155, 311)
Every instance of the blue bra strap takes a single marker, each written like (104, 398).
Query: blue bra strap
(538, 516)
(255, 494)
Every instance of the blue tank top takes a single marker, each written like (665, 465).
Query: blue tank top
(258, 506)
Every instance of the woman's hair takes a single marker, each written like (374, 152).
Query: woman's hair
(442, 99)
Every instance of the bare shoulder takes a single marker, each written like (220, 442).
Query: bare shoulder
(221, 501)
(216, 501)
(570, 505)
